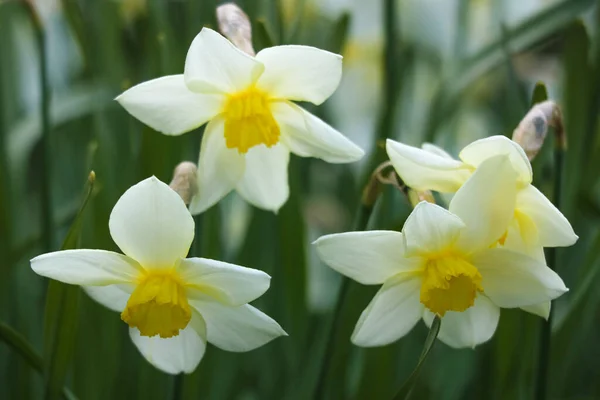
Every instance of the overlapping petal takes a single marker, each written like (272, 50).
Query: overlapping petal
(151, 224)
(368, 257)
(219, 168)
(168, 106)
(480, 150)
(113, 297)
(300, 73)
(430, 229)
(265, 180)
(228, 283)
(238, 329)
(308, 136)
(87, 267)
(181, 353)
(468, 328)
(540, 309)
(512, 279)
(214, 65)
(553, 228)
(486, 204)
(425, 170)
(392, 313)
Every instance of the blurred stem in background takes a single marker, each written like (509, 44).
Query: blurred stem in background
(541, 385)
(369, 197)
(45, 175)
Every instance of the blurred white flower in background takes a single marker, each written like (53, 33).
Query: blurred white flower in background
(173, 304)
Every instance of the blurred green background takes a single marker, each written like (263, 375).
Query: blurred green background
(444, 71)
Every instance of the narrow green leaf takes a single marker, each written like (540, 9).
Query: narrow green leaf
(339, 33)
(60, 319)
(262, 35)
(406, 389)
(20, 345)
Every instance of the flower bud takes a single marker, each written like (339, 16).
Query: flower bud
(235, 24)
(184, 181)
(532, 129)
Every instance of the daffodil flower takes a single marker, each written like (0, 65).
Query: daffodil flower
(172, 304)
(536, 222)
(445, 263)
(252, 124)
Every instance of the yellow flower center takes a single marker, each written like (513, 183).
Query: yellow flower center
(249, 121)
(450, 283)
(158, 305)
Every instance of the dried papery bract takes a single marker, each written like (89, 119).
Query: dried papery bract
(416, 196)
(184, 181)
(533, 128)
(235, 24)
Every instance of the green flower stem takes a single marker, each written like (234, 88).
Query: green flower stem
(407, 387)
(541, 385)
(362, 219)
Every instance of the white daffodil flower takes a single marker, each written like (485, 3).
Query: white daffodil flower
(536, 222)
(253, 124)
(444, 263)
(173, 304)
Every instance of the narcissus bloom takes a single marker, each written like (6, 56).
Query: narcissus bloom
(536, 222)
(172, 304)
(253, 124)
(444, 263)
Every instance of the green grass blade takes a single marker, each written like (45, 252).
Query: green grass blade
(406, 389)
(19, 344)
(60, 319)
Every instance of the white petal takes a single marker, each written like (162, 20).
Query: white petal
(228, 283)
(168, 106)
(433, 149)
(151, 224)
(181, 353)
(430, 229)
(113, 297)
(486, 204)
(87, 267)
(424, 170)
(554, 229)
(238, 329)
(219, 168)
(480, 150)
(540, 309)
(214, 65)
(308, 136)
(368, 257)
(265, 180)
(469, 328)
(512, 279)
(301, 73)
(392, 313)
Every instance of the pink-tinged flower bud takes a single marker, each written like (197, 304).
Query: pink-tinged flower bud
(235, 24)
(532, 129)
(184, 181)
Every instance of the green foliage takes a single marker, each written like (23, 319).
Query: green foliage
(405, 87)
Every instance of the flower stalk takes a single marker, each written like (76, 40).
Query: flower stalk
(560, 146)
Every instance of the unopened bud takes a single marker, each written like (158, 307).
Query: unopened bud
(235, 24)
(415, 197)
(184, 181)
(533, 128)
